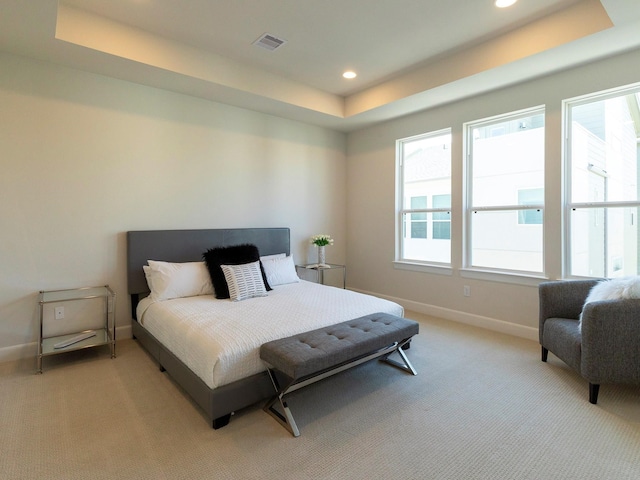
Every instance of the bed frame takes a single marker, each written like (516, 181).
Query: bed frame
(188, 246)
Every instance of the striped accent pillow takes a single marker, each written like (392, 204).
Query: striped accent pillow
(244, 281)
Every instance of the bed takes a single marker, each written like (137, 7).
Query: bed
(210, 347)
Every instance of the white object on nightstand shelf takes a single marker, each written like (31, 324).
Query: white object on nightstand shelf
(76, 339)
(56, 344)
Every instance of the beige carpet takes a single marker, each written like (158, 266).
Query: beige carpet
(483, 406)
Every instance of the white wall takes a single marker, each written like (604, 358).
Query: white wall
(510, 307)
(84, 158)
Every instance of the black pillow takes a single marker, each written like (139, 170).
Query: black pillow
(232, 255)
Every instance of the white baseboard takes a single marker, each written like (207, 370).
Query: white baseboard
(493, 324)
(27, 350)
(18, 352)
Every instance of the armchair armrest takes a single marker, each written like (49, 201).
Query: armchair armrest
(611, 341)
(562, 299)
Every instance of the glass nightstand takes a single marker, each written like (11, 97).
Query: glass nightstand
(327, 266)
(61, 343)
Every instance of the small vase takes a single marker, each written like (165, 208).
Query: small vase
(321, 257)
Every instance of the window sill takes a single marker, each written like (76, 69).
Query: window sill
(420, 267)
(517, 278)
(514, 278)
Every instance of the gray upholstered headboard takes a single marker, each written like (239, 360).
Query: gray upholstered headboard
(189, 245)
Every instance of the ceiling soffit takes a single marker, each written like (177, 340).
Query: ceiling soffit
(136, 55)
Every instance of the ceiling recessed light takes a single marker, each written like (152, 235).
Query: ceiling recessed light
(505, 3)
(349, 74)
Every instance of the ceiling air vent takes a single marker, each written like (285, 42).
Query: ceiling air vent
(269, 42)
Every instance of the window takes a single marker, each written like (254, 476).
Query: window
(601, 194)
(505, 196)
(424, 196)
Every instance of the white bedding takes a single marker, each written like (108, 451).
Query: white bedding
(219, 340)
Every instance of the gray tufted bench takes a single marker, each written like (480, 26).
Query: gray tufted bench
(299, 360)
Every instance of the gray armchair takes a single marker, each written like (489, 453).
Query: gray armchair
(606, 349)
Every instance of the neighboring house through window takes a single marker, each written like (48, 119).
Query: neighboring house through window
(530, 196)
(442, 220)
(418, 220)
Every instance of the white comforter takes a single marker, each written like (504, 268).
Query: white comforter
(219, 340)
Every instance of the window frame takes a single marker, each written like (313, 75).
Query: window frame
(400, 259)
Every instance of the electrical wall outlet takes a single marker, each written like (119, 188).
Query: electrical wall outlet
(466, 291)
(59, 313)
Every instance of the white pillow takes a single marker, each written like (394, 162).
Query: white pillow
(280, 271)
(269, 257)
(148, 274)
(176, 280)
(244, 281)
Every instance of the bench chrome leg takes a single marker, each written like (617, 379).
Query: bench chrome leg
(285, 420)
(406, 365)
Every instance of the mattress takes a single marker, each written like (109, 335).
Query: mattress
(219, 340)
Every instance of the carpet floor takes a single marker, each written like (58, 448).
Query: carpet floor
(483, 406)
